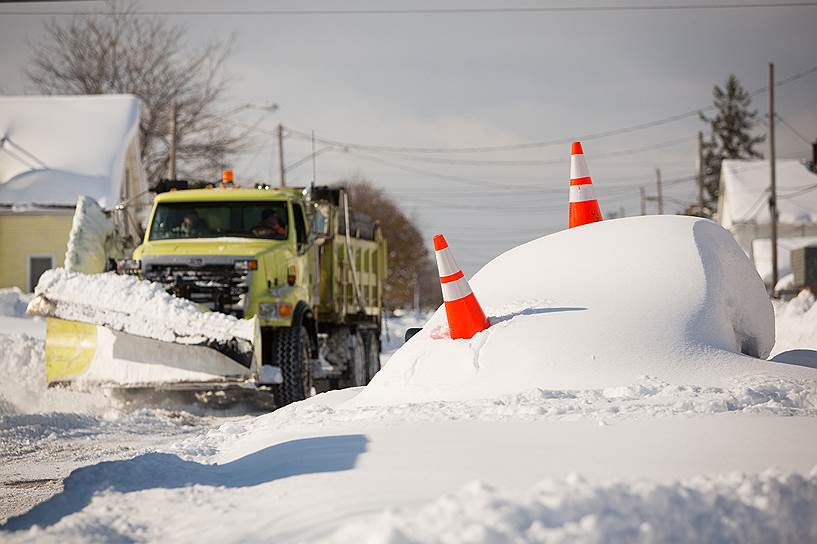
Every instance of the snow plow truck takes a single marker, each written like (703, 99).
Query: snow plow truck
(296, 262)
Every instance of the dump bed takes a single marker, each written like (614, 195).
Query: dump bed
(344, 263)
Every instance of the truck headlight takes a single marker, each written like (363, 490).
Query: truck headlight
(268, 311)
(250, 264)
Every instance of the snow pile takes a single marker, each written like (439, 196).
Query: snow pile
(796, 328)
(670, 297)
(81, 145)
(394, 331)
(13, 302)
(767, 507)
(22, 365)
(127, 304)
(24, 390)
(90, 233)
(646, 398)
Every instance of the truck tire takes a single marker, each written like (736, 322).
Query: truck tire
(357, 359)
(292, 351)
(372, 355)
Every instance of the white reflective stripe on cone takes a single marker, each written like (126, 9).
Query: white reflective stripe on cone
(578, 167)
(455, 290)
(446, 263)
(582, 193)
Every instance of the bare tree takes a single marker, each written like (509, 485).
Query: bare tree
(410, 265)
(121, 51)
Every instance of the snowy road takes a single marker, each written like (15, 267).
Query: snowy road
(37, 451)
(59, 431)
(45, 434)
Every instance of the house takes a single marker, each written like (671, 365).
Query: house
(743, 209)
(52, 150)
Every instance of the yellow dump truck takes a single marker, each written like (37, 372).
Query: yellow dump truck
(297, 261)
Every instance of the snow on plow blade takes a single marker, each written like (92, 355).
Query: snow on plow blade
(121, 331)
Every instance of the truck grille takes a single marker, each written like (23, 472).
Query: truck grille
(221, 288)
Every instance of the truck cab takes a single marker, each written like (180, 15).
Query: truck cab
(287, 256)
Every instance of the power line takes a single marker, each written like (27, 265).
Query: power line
(544, 162)
(547, 143)
(443, 11)
(791, 128)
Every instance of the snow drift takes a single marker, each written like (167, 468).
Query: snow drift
(90, 232)
(13, 302)
(670, 297)
(141, 308)
(767, 507)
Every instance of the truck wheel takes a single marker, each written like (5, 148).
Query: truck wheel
(357, 362)
(293, 354)
(372, 355)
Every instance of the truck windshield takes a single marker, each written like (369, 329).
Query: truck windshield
(210, 220)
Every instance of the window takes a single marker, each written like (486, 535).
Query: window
(175, 220)
(300, 226)
(37, 264)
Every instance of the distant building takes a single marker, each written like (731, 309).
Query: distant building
(52, 150)
(743, 209)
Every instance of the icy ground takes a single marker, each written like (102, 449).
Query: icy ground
(609, 401)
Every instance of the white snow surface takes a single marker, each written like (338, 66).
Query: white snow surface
(796, 330)
(600, 306)
(607, 403)
(744, 182)
(13, 302)
(90, 231)
(735, 507)
(59, 147)
(141, 308)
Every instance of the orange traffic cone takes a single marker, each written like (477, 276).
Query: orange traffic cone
(465, 315)
(584, 208)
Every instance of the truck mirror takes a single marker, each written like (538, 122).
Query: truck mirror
(320, 225)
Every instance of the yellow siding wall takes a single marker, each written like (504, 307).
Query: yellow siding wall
(24, 234)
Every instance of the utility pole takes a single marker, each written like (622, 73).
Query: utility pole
(773, 174)
(814, 156)
(660, 196)
(701, 171)
(314, 166)
(281, 167)
(173, 136)
(643, 201)
(416, 293)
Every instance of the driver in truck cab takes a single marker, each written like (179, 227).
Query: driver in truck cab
(192, 225)
(270, 225)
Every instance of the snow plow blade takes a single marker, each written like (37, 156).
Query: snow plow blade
(154, 346)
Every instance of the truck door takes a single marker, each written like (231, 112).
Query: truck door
(307, 261)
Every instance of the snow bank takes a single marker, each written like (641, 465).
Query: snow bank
(646, 398)
(767, 507)
(22, 365)
(394, 331)
(141, 308)
(796, 329)
(24, 390)
(88, 239)
(600, 306)
(13, 302)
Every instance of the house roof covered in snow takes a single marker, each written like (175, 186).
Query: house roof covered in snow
(55, 148)
(744, 188)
